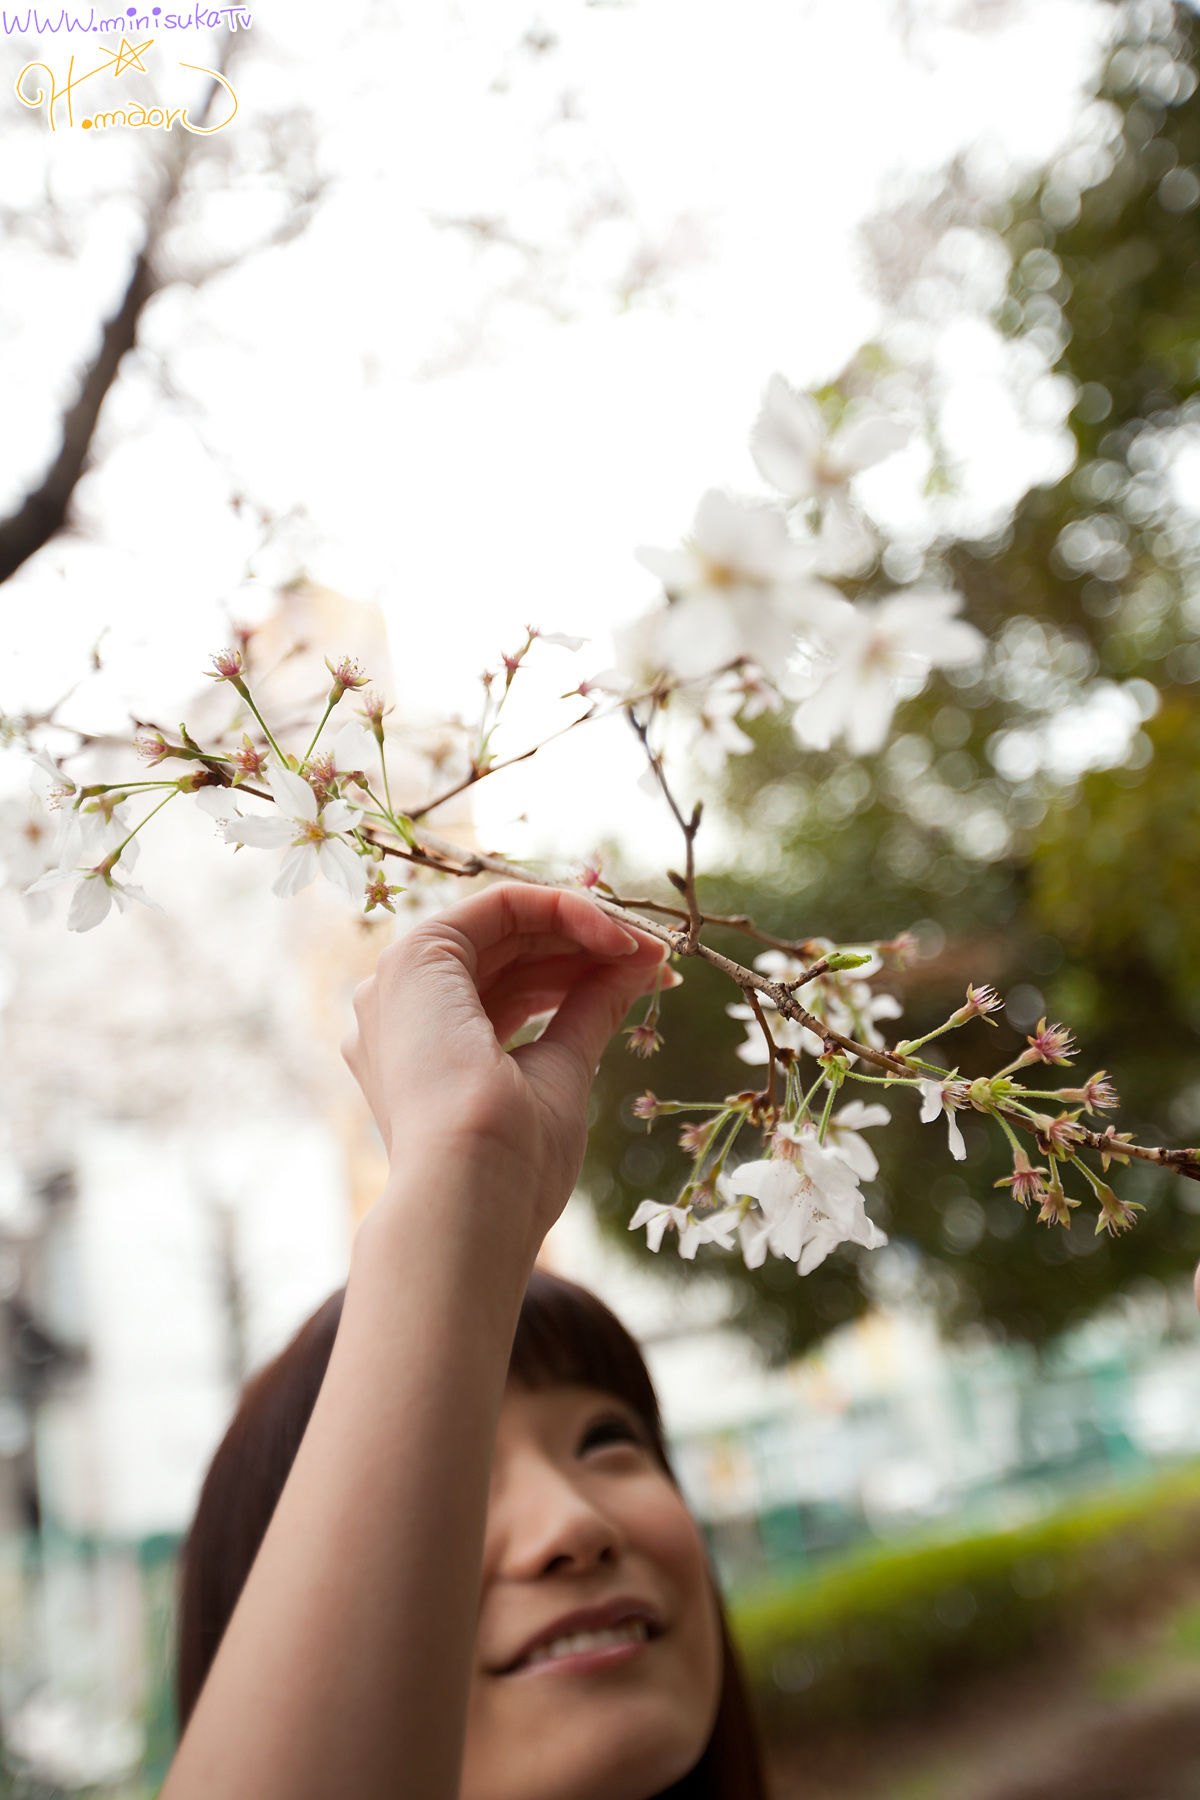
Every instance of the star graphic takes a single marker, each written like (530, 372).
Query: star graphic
(127, 57)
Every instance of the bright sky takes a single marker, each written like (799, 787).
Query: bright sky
(480, 437)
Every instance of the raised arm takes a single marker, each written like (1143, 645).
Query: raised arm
(346, 1664)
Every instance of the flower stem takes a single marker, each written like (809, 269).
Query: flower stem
(830, 1097)
(1008, 1131)
(387, 792)
(1093, 1180)
(316, 734)
(805, 1106)
(713, 1133)
(115, 855)
(911, 1044)
(266, 730)
(890, 1080)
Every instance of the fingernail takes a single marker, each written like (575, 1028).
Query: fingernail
(630, 945)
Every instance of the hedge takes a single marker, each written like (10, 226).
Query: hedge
(886, 1631)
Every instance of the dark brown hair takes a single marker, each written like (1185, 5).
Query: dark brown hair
(564, 1334)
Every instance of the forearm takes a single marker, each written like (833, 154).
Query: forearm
(346, 1664)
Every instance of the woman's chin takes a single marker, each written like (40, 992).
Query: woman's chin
(631, 1757)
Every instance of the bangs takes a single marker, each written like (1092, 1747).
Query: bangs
(564, 1334)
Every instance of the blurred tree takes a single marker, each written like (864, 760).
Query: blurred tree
(175, 197)
(1044, 811)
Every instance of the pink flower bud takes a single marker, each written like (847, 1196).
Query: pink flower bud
(644, 1040)
(1025, 1181)
(321, 774)
(373, 710)
(346, 676)
(227, 666)
(1050, 1044)
(153, 746)
(1056, 1206)
(1097, 1095)
(646, 1106)
(248, 761)
(379, 892)
(1058, 1137)
(1115, 1215)
(981, 1002)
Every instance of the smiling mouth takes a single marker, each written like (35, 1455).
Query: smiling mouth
(612, 1643)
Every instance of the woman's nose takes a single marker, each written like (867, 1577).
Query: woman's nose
(553, 1527)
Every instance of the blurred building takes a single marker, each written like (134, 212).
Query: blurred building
(182, 1158)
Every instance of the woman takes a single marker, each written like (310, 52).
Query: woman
(470, 1573)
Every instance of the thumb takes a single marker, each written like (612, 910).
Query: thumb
(587, 1019)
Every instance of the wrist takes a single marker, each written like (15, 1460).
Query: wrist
(453, 1212)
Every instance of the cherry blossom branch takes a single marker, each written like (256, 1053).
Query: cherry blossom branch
(731, 921)
(772, 1052)
(1185, 1161)
(686, 883)
(477, 772)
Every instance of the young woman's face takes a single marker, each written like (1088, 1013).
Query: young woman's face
(581, 1517)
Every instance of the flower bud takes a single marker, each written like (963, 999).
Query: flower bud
(1050, 1044)
(1056, 1206)
(980, 1003)
(1025, 1181)
(1097, 1095)
(644, 1040)
(346, 676)
(1115, 1215)
(228, 666)
(153, 746)
(845, 959)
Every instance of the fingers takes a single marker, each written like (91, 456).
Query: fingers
(513, 908)
(528, 946)
(527, 989)
(586, 1020)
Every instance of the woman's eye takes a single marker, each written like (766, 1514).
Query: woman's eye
(610, 1430)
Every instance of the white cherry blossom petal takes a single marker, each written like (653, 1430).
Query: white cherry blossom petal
(292, 795)
(261, 834)
(218, 803)
(338, 815)
(339, 864)
(124, 891)
(354, 747)
(90, 904)
(298, 869)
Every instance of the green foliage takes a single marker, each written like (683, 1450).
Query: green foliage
(889, 1631)
(1073, 892)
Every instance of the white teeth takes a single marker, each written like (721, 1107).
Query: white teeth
(634, 1631)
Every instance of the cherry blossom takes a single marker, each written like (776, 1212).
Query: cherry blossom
(938, 1098)
(797, 454)
(849, 1007)
(658, 1219)
(310, 833)
(860, 661)
(50, 782)
(739, 587)
(842, 1135)
(809, 1201)
(95, 891)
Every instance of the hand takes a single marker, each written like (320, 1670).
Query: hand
(432, 1022)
